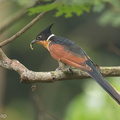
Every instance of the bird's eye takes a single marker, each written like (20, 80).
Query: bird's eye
(39, 37)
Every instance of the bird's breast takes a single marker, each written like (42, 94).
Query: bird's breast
(57, 51)
(45, 43)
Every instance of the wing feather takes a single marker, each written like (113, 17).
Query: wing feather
(67, 56)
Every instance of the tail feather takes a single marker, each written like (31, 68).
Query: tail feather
(96, 75)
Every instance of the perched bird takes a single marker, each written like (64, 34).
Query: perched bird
(67, 52)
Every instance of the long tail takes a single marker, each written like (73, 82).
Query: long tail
(96, 75)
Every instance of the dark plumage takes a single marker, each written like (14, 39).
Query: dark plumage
(70, 53)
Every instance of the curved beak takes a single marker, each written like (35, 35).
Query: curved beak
(34, 41)
(31, 44)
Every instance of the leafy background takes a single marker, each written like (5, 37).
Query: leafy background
(95, 26)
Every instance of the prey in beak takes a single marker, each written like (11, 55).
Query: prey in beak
(42, 37)
(31, 44)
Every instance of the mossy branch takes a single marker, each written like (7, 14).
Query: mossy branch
(29, 76)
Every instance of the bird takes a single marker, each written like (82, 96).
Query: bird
(69, 53)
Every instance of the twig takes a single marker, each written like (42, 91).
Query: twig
(42, 112)
(28, 76)
(114, 48)
(22, 30)
(15, 17)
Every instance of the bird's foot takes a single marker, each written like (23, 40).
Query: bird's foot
(58, 69)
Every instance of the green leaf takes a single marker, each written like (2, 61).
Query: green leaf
(42, 8)
(62, 8)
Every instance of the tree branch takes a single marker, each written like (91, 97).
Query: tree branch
(15, 17)
(22, 30)
(28, 76)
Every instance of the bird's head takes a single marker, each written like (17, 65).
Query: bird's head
(43, 37)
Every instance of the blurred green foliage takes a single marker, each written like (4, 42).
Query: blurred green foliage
(63, 8)
(20, 109)
(78, 7)
(91, 105)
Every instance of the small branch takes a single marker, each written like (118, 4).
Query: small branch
(15, 17)
(22, 30)
(114, 48)
(42, 112)
(28, 76)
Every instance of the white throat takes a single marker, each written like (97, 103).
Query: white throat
(50, 36)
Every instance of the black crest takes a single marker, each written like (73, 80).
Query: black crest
(45, 33)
